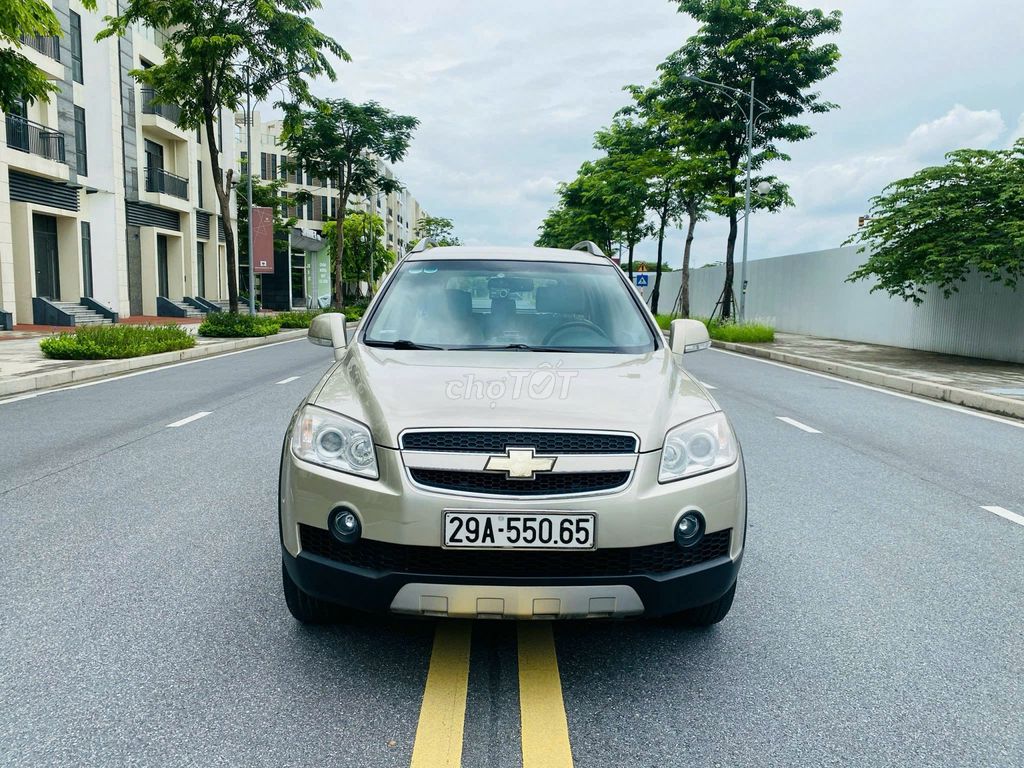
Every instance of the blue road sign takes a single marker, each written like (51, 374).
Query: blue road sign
(641, 279)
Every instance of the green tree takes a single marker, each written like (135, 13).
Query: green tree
(440, 230)
(366, 257)
(940, 224)
(770, 45)
(214, 50)
(21, 80)
(346, 142)
(625, 173)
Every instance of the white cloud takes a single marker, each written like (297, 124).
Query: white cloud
(1017, 133)
(958, 128)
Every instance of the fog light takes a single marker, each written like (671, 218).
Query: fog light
(689, 529)
(344, 525)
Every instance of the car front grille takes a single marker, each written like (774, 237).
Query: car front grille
(541, 442)
(496, 483)
(435, 561)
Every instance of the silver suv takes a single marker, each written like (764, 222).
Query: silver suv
(509, 434)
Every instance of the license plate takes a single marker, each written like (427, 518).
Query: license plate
(521, 530)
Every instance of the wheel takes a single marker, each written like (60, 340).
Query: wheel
(707, 615)
(304, 607)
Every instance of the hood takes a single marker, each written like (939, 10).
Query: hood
(394, 390)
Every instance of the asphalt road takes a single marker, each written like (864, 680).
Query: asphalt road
(877, 622)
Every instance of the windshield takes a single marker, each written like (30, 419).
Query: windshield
(487, 304)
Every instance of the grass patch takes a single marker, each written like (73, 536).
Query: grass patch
(227, 325)
(741, 333)
(297, 319)
(106, 342)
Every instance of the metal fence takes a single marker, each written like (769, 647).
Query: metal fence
(159, 180)
(34, 138)
(808, 293)
(46, 44)
(151, 106)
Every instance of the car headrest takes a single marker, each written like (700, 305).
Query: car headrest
(503, 308)
(460, 303)
(560, 300)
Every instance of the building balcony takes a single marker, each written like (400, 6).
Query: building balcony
(38, 149)
(161, 118)
(163, 182)
(44, 52)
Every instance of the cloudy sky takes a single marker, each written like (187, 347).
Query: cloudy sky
(509, 95)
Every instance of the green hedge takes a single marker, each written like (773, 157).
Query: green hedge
(103, 342)
(227, 325)
(297, 319)
(743, 333)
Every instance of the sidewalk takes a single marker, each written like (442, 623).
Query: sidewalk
(24, 368)
(986, 385)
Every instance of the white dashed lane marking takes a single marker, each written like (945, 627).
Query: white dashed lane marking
(189, 419)
(798, 425)
(289, 380)
(1013, 517)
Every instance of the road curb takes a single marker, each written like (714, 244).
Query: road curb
(969, 398)
(22, 384)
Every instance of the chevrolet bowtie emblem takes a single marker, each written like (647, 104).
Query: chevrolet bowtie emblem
(520, 463)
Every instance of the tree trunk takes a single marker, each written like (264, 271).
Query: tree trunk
(222, 186)
(656, 293)
(730, 250)
(632, 245)
(684, 282)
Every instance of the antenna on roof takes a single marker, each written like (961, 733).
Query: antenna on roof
(589, 246)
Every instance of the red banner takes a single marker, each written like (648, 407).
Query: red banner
(263, 240)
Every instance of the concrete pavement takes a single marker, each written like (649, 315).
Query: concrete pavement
(876, 621)
(988, 385)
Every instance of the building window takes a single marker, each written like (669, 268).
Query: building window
(323, 206)
(81, 151)
(309, 209)
(199, 181)
(76, 47)
(86, 259)
(264, 163)
(273, 167)
(334, 208)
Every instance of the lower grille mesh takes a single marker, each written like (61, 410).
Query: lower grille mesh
(548, 483)
(399, 558)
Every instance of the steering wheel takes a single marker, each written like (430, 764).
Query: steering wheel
(574, 324)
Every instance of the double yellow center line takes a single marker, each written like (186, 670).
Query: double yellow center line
(545, 730)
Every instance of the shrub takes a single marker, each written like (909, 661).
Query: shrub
(297, 319)
(227, 325)
(103, 342)
(742, 333)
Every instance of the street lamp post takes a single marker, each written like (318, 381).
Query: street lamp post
(751, 117)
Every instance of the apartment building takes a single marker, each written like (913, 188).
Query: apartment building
(107, 207)
(400, 211)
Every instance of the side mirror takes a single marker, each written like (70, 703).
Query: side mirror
(688, 336)
(328, 330)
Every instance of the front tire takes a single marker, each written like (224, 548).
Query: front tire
(707, 615)
(303, 606)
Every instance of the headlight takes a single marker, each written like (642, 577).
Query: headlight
(333, 441)
(698, 446)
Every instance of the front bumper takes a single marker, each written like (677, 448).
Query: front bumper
(392, 509)
(518, 598)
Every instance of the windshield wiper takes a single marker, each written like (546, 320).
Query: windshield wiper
(398, 344)
(518, 346)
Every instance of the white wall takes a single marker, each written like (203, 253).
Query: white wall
(807, 293)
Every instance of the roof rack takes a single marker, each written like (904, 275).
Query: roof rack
(421, 246)
(589, 246)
